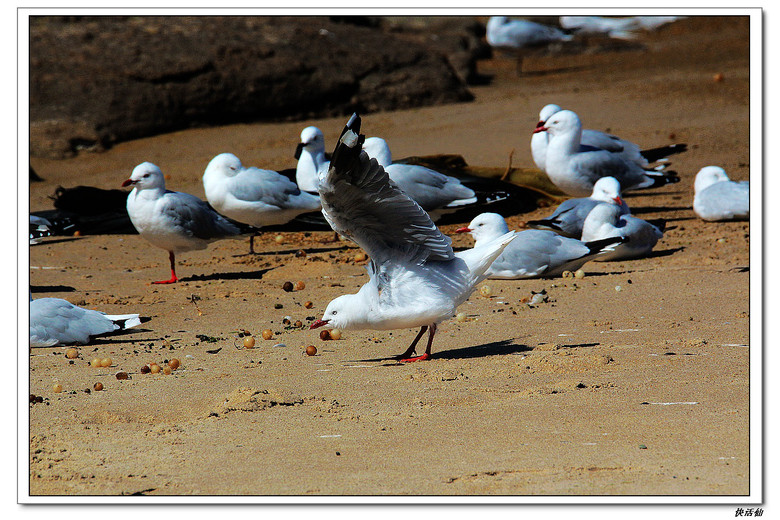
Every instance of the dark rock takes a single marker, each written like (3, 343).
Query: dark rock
(96, 81)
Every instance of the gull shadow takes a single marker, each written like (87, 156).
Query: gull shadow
(51, 288)
(112, 338)
(678, 219)
(495, 348)
(57, 241)
(242, 275)
(547, 72)
(658, 209)
(308, 250)
(663, 252)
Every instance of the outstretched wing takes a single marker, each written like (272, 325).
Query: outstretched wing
(360, 203)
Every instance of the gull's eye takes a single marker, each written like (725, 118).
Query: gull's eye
(146, 175)
(334, 312)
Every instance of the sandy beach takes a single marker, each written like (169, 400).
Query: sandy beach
(633, 380)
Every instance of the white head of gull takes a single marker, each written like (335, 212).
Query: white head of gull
(415, 277)
(310, 153)
(606, 221)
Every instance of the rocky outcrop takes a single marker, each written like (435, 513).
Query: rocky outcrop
(96, 81)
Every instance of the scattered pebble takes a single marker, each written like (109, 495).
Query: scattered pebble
(300, 253)
(122, 375)
(280, 345)
(279, 239)
(287, 287)
(106, 362)
(460, 317)
(618, 288)
(311, 350)
(167, 370)
(249, 342)
(71, 353)
(308, 305)
(717, 78)
(145, 369)
(335, 334)
(486, 290)
(721, 241)
(95, 363)
(299, 285)
(567, 274)
(325, 335)
(267, 334)
(360, 257)
(154, 368)
(98, 387)
(175, 363)
(57, 388)
(579, 274)
(298, 324)
(536, 299)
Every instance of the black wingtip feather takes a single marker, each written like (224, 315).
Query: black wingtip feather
(596, 246)
(656, 154)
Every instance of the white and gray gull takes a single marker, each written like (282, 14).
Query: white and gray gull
(575, 170)
(595, 139)
(534, 253)
(719, 198)
(254, 196)
(171, 220)
(415, 277)
(54, 322)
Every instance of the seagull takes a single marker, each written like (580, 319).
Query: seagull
(415, 277)
(534, 253)
(592, 139)
(171, 220)
(252, 196)
(435, 192)
(519, 36)
(718, 198)
(575, 171)
(569, 216)
(605, 221)
(54, 321)
(312, 159)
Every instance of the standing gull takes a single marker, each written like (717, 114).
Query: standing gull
(569, 216)
(518, 36)
(575, 171)
(605, 221)
(415, 278)
(171, 220)
(252, 196)
(718, 198)
(534, 253)
(54, 321)
(592, 139)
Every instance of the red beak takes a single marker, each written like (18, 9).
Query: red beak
(127, 183)
(318, 323)
(618, 200)
(540, 127)
(463, 230)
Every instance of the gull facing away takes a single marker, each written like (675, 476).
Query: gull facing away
(575, 171)
(252, 196)
(534, 253)
(569, 216)
(605, 221)
(312, 159)
(171, 220)
(520, 36)
(592, 139)
(54, 321)
(719, 198)
(435, 192)
(415, 278)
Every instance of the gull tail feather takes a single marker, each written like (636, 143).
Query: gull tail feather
(479, 259)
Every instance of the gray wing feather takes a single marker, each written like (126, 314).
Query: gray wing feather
(195, 217)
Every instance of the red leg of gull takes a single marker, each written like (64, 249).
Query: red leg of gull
(173, 269)
(427, 355)
(405, 356)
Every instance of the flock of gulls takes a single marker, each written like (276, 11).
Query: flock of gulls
(389, 209)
